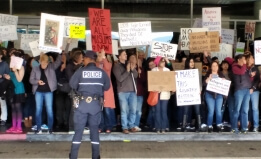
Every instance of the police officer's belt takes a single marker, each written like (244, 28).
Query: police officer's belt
(89, 99)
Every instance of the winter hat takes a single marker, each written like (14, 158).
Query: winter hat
(157, 60)
(229, 60)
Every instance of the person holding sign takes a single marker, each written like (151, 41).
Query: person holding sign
(214, 100)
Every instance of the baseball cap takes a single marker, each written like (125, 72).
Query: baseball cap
(91, 54)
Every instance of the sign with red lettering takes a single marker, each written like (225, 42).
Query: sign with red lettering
(211, 19)
(250, 28)
(257, 52)
(100, 25)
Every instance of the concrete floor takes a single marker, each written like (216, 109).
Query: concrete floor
(196, 149)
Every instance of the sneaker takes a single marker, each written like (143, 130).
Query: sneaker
(255, 130)
(11, 130)
(163, 132)
(234, 131)
(243, 132)
(50, 131)
(158, 132)
(133, 130)
(18, 131)
(203, 128)
(38, 132)
(220, 128)
(44, 127)
(210, 129)
(125, 131)
(34, 128)
(137, 128)
(3, 122)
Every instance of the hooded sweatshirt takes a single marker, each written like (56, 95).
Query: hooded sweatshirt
(241, 77)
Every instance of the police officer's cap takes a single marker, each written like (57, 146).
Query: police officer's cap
(91, 54)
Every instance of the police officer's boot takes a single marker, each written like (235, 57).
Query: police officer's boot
(74, 151)
(184, 123)
(199, 123)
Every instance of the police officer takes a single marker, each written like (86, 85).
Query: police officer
(90, 82)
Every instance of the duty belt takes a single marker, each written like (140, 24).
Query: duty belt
(89, 99)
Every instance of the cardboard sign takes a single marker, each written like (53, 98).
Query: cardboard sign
(187, 87)
(211, 18)
(164, 50)
(161, 81)
(8, 33)
(184, 35)
(228, 36)
(75, 21)
(51, 32)
(197, 23)
(257, 51)
(202, 41)
(73, 44)
(135, 34)
(240, 48)
(226, 50)
(100, 25)
(16, 62)
(77, 32)
(250, 28)
(6, 19)
(219, 85)
(26, 39)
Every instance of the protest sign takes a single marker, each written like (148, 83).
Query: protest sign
(115, 47)
(187, 87)
(257, 51)
(211, 19)
(8, 33)
(240, 48)
(161, 81)
(77, 32)
(26, 38)
(34, 46)
(88, 42)
(219, 85)
(51, 32)
(204, 41)
(16, 62)
(197, 23)
(228, 36)
(226, 50)
(164, 50)
(75, 21)
(100, 25)
(135, 34)
(6, 19)
(250, 28)
(184, 35)
(73, 43)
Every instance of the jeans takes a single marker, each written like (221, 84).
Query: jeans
(254, 98)
(161, 117)
(29, 105)
(128, 105)
(150, 118)
(3, 109)
(214, 105)
(108, 119)
(231, 106)
(242, 98)
(138, 110)
(47, 97)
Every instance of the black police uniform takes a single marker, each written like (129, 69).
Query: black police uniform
(90, 82)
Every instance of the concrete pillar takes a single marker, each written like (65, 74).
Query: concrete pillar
(257, 7)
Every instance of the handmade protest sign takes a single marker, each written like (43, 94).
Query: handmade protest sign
(161, 81)
(226, 50)
(240, 48)
(34, 46)
(228, 36)
(73, 43)
(135, 34)
(250, 28)
(257, 51)
(6, 19)
(8, 32)
(100, 25)
(16, 62)
(77, 32)
(211, 19)
(26, 39)
(164, 50)
(219, 85)
(115, 47)
(51, 32)
(187, 87)
(184, 36)
(75, 21)
(197, 23)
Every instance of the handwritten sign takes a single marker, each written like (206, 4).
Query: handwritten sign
(8, 32)
(135, 34)
(197, 23)
(184, 35)
(6, 19)
(77, 32)
(100, 25)
(240, 48)
(187, 87)
(16, 62)
(34, 46)
(226, 50)
(75, 21)
(202, 41)
(219, 85)
(164, 50)
(257, 51)
(228, 36)
(211, 18)
(161, 81)
(250, 28)
(115, 47)
(26, 38)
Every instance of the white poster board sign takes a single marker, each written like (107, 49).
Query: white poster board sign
(250, 28)
(26, 38)
(16, 62)
(34, 46)
(135, 33)
(228, 36)
(164, 50)
(184, 35)
(257, 51)
(226, 50)
(8, 33)
(211, 19)
(73, 44)
(240, 48)
(72, 21)
(197, 23)
(219, 85)
(6, 19)
(51, 32)
(187, 87)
